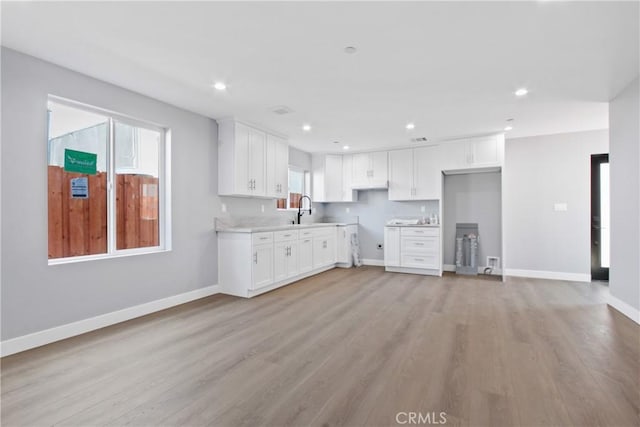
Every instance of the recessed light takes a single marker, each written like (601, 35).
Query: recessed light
(410, 126)
(350, 49)
(306, 128)
(336, 142)
(346, 147)
(220, 86)
(521, 92)
(508, 128)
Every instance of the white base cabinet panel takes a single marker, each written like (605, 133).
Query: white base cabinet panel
(254, 263)
(413, 250)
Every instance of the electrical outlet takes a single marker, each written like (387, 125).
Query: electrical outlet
(493, 261)
(262, 207)
(224, 207)
(348, 210)
(423, 208)
(379, 246)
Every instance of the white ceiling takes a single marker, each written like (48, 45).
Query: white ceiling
(449, 67)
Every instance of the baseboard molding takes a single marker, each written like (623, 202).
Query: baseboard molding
(40, 338)
(452, 268)
(552, 275)
(624, 308)
(375, 262)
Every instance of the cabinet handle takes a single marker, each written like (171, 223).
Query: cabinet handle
(250, 188)
(419, 259)
(264, 238)
(418, 231)
(255, 257)
(419, 244)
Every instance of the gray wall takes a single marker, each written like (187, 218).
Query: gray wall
(36, 296)
(473, 198)
(540, 171)
(624, 134)
(374, 209)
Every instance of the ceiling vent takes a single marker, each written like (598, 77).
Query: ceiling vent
(281, 110)
(421, 139)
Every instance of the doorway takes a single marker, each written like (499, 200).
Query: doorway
(600, 217)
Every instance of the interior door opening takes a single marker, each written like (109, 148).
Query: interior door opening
(600, 217)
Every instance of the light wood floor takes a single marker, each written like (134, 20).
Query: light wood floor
(347, 347)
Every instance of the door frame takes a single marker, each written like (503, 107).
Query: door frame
(597, 271)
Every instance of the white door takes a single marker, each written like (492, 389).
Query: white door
(379, 174)
(361, 170)
(333, 178)
(401, 175)
(280, 259)
(292, 258)
(392, 246)
(305, 255)
(243, 182)
(262, 266)
(257, 161)
(427, 173)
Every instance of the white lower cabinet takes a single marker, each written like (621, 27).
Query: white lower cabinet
(262, 271)
(412, 250)
(276, 258)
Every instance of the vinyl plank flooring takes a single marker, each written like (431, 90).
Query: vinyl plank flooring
(346, 347)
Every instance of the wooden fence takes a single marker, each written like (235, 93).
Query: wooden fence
(79, 226)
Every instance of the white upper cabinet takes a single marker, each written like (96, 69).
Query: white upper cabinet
(415, 174)
(473, 153)
(251, 162)
(277, 167)
(332, 178)
(369, 170)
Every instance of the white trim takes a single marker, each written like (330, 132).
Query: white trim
(410, 270)
(375, 262)
(624, 308)
(47, 336)
(552, 275)
(452, 268)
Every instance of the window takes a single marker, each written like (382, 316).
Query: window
(299, 185)
(106, 184)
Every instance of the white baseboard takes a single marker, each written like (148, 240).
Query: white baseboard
(451, 267)
(552, 275)
(371, 261)
(624, 308)
(37, 339)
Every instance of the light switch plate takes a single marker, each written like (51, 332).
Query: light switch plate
(560, 207)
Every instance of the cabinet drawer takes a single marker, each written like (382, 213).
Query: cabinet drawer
(430, 261)
(284, 235)
(260, 238)
(305, 233)
(420, 245)
(419, 231)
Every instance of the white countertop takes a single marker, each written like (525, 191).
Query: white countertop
(280, 227)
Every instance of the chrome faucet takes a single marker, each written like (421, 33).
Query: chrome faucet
(300, 212)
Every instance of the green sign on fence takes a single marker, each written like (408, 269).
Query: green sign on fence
(79, 161)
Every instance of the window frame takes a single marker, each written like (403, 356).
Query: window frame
(306, 190)
(164, 184)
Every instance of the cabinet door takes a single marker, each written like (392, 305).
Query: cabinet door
(257, 161)
(454, 155)
(271, 166)
(243, 182)
(333, 177)
(427, 175)
(282, 165)
(379, 169)
(262, 266)
(482, 151)
(305, 255)
(401, 175)
(292, 259)
(348, 195)
(361, 169)
(343, 243)
(330, 250)
(319, 252)
(392, 246)
(280, 259)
